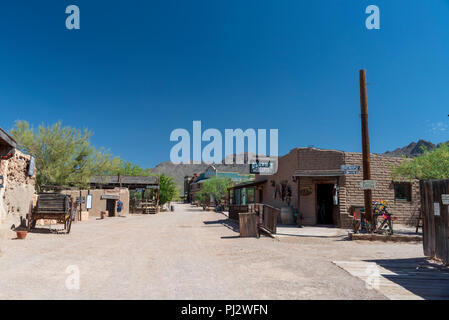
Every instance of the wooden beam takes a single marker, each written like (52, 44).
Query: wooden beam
(7, 138)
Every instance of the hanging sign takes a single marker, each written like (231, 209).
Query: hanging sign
(2, 181)
(263, 166)
(436, 208)
(31, 167)
(445, 199)
(89, 201)
(349, 169)
(368, 185)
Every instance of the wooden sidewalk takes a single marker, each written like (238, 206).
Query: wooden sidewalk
(402, 279)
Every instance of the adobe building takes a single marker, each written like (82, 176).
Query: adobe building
(101, 200)
(311, 181)
(17, 182)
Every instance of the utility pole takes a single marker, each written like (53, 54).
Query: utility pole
(365, 146)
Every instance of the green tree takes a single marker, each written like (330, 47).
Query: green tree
(64, 155)
(215, 188)
(430, 165)
(168, 190)
(130, 169)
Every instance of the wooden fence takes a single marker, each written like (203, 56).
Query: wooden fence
(435, 219)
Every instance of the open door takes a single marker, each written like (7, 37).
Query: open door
(110, 206)
(325, 204)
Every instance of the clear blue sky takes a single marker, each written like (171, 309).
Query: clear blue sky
(136, 70)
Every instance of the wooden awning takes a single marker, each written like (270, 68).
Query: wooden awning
(248, 184)
(130, 182)
(318, 173)
(6, 140)
(110, 197)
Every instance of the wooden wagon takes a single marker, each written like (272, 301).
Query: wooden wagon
(52, 206)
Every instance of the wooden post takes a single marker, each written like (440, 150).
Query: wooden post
(365, 145)
(81, 205)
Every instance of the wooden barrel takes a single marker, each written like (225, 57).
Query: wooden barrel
(248, 225)
(287, 215)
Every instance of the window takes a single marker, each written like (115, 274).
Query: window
(403, 191)
(250, 194)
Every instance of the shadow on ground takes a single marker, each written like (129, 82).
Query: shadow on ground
(225, 222)
(418, 275)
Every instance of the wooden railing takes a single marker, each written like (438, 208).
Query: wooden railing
(235, 209)
(267, 214)
(268, 217)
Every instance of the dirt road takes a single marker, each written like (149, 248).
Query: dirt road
(188, 254)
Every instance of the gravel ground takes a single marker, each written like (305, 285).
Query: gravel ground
(188, 254)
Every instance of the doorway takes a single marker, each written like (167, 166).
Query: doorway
(325, 204)
(110, 207)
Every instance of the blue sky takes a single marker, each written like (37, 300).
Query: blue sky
(136, 70)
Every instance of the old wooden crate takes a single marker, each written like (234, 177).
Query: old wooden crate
(248, 224)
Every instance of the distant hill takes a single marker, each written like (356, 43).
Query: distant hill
(179, 171)
(414, 149)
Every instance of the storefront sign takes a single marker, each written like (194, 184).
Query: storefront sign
(110, 197)
(263, 166)
(445, 199)
(368, 185)
(305, 191)
(347, 169)
(152, 187)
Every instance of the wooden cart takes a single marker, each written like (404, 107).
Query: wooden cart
(52, 206)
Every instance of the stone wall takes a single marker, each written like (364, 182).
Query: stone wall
(19, 188)
(381, 169)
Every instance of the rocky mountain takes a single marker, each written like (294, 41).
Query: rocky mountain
(414, 149)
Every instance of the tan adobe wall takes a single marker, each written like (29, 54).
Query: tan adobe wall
(316, 159)
(99, 204)
(286, 166)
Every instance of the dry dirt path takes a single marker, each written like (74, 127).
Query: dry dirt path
(188, 254)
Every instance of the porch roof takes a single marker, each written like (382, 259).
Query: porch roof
(318, 173)
(130, 182)
(6, 139)
(248, 184)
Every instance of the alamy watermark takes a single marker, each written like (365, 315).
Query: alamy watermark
(73, 20)
(72, 282)
(373, 20)
(190, 149)
(372, 280)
